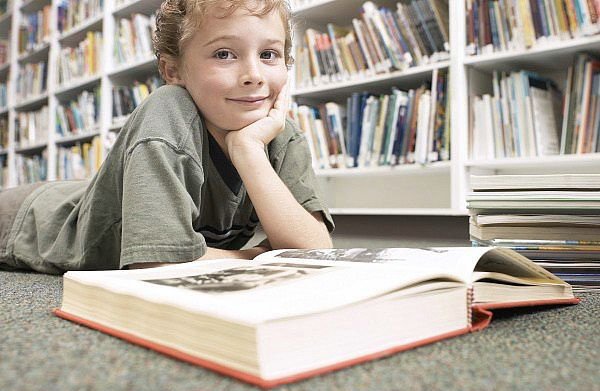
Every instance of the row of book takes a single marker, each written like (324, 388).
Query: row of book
(497, 25)
(31, 169)
(581, 115)
(3, 95)
(4, 51)
(3, 173)
(34, 29)
(31, 128)
(553, 219)
(133, 40)
(3, 133)
(80, 115)
(527, 115)
(81, 61)
(403, 127)
(31, 80)
(81, 161)
(520, 119)
(71, 13)
(127, 98)
(380, 40)
(5, 6)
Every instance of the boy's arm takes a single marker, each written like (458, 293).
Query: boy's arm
(211, 253)
(286, 223)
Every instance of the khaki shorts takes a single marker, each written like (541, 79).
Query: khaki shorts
(10, 202)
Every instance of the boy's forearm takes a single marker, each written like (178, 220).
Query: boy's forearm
(286, 223)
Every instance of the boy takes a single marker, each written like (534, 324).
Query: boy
(196, 166)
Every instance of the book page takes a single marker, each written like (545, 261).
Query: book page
(458, 262)
(265, 289)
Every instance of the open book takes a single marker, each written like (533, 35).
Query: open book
(292, 314)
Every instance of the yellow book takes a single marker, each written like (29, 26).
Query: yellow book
(526, 22)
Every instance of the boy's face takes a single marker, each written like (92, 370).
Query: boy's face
(234, 68)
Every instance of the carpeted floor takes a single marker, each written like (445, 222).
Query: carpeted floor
(555, 348)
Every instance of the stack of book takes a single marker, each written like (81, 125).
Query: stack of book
(552, 219)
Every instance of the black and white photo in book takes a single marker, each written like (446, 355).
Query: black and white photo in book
(240, 278)
(374, 255)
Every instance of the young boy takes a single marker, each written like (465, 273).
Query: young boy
(197, 165)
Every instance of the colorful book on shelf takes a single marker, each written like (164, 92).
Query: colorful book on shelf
(288, 315)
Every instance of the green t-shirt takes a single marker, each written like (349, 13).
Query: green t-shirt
(165, 193)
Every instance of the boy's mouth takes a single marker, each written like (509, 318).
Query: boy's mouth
(249, 100)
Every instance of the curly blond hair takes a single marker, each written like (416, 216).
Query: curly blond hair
(177, 20)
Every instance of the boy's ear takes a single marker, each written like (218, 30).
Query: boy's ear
(170, 71)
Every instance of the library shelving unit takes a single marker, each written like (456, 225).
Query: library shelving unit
(108, 74)
(437, 188)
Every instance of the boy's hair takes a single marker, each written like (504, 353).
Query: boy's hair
(177, 20)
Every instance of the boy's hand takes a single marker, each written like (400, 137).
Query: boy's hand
(260, 133)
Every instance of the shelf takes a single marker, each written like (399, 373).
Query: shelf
(32, 102)
(133, 69)
(412, 77)
(548, 55)
(325, 11)
(3, 151)
(32, 149)
(138, 6)
(77, 33)
(370, 172)
(79, 137)
(3, 110)
(36, 55)
(75, 87)
(557, 162)
(398, 211)
(5, 23)
(33, 5)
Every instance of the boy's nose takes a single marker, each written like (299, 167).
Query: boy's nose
(251, 74)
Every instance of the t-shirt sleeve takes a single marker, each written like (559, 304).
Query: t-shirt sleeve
(294, 167)
(161, 199)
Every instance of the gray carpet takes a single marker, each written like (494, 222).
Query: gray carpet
(527, 349)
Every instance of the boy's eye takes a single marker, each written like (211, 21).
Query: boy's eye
(224, 55)
(269, 55)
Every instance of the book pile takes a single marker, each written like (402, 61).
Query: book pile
(551, 219)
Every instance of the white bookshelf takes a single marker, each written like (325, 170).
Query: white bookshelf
(434, 189)
(109, 75)
(439, 188)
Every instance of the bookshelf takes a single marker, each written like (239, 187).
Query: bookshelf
(439, 188)
(433, 188)
(100, 130)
